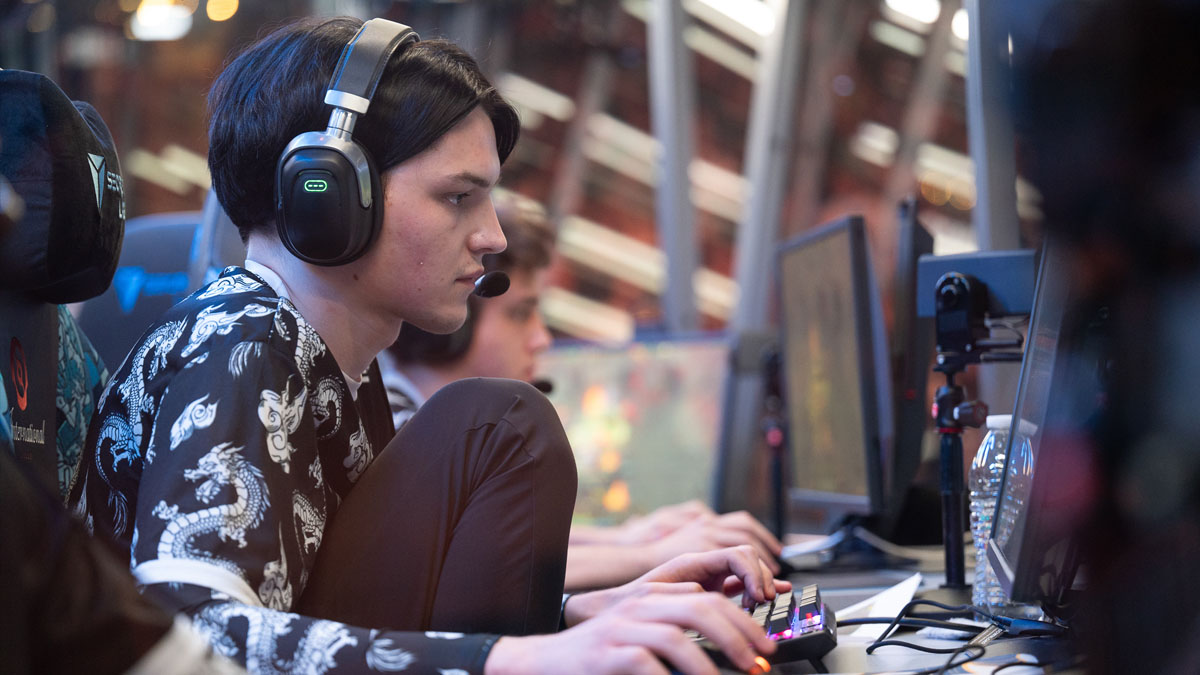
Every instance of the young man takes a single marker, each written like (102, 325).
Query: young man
(238, 457)
(502, 338)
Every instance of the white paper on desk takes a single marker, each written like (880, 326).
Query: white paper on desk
(814, 545)
(886, 603)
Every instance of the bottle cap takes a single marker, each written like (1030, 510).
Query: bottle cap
(1026, 428)
(999, 422)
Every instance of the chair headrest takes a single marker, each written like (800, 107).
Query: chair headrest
(60, 159)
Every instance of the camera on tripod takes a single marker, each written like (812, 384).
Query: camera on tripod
(962, 302)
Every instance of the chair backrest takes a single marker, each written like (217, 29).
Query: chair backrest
(61, 162)
(165, 257)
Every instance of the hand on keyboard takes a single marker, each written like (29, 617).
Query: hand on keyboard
(639, 635)
(730, 571)
(799, 624)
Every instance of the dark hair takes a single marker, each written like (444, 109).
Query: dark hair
(275, 90)
(530, 248)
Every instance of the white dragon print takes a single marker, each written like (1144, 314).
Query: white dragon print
(239, 356)
(360, 454)
(212, 321)
(280, 415)
(123, 448)
(197, 415)
(310, 522)
(327, 405)
(314, 654)
(382, 656)
(276, 591)
(236, 283)
(308, 343)
(223, 465)
(133, 388)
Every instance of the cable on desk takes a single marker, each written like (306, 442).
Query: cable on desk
(951, 663)
(882, 639)
(1011, 626)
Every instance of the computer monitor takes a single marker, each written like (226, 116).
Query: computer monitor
(1060, 392)
(837, 386)
(642, 419)
(912, 347)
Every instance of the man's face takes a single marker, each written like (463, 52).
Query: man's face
(438, 222)
(508, 331)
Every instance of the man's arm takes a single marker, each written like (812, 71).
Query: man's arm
(601, 565)
(636, 627)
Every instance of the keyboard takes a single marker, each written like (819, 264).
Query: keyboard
(801, 626)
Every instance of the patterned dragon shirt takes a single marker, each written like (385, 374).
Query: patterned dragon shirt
(221, 448)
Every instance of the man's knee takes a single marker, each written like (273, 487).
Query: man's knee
(519, 418)
(491, 399)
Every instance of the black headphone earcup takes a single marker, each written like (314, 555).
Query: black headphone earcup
(318, 211)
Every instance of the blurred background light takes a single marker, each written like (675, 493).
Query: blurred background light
(157, 20)
(960, 25)
(220, 10)
(753, 14)
(923, 11)
(42, 18)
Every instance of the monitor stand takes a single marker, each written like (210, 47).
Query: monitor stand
(948, 595)
(841, 551)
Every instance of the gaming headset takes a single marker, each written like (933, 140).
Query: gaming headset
(328, 206)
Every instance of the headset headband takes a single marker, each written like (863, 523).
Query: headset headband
(362, 63)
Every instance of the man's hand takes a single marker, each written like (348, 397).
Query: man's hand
(730, 571)
(660, 522)
(637, 635)
(710, 532)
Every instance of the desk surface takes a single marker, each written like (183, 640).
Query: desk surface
(850, 656)
(841, 589)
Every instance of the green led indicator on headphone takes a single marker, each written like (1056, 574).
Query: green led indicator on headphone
(315, 185)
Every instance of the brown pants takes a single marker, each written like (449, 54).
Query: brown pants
(460, 524)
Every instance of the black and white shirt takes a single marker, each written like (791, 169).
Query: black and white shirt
(221, 447)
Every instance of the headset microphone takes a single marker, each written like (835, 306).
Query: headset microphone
(491, 284)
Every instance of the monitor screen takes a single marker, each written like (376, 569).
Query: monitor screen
(1059, 392)
(642, 419)
(836, 383)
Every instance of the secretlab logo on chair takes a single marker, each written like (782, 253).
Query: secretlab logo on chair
(103, 179)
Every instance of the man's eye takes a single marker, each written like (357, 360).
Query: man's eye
(457, 199)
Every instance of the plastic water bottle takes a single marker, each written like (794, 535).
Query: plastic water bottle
(983, 482)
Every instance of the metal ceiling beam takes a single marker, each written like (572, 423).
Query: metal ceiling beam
(768, 151)
(672, 110)
(990, 133)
